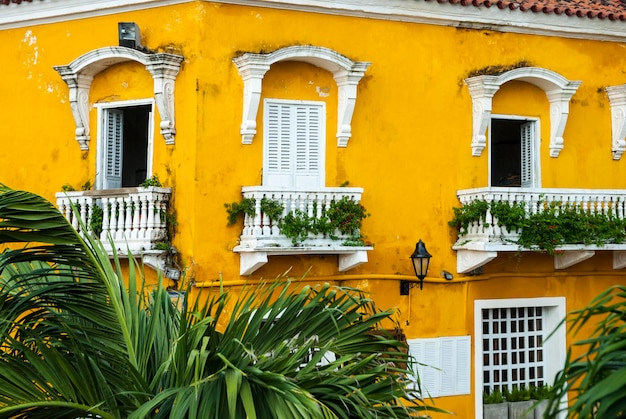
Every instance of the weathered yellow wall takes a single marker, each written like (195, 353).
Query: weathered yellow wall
(410, 148)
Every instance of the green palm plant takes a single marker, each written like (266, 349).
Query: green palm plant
(595, 380)
(77, 339)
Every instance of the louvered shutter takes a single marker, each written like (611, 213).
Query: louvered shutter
(527, 138)
(114, 130)
(308, 145)
(293, 144)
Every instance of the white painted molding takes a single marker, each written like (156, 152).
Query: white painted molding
(468, 260)
(558, 90)
(348, 261)
(347, 73)
(80, 73)
(428, 12)
(571, 257)
(617, 99)
(619, 259)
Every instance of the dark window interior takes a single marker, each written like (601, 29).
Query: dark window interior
(135, 155)
(506, 152)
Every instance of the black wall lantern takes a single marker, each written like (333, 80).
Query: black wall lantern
(420, 259)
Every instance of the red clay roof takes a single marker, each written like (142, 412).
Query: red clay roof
(601, 9)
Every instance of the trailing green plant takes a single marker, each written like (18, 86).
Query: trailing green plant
(555, 225)
(151, 181)
(468, 214)
(86, 186)
(67, 188)
(236, 209)
(296, 225)
(493, 397)
(346, 216)
(95, 222)
(272, 208)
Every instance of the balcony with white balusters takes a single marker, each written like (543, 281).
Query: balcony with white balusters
(127, 220)
(261, 236)
(484, 238)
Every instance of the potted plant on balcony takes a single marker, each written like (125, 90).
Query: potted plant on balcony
(494, 405)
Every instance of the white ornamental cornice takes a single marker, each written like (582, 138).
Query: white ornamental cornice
(415, 11)
(558, 90)
(80, 73)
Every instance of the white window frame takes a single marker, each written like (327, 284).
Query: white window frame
(292, 180)
(102, 108)
(554, 348)
(535, 162)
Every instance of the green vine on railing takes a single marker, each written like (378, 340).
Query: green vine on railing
(343, 216)
(555, 225)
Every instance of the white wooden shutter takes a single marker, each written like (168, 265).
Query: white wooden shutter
(114, 145)
(443, 365)
(527, 138)
(308, 145)
(294, 136)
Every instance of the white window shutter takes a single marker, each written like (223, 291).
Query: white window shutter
(114, 133)
(527, 138)
(308, 145)
(443, 365)
(294, 137)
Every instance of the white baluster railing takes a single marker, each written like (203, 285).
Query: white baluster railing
(134, 218)
(603, 201)
(260, 231)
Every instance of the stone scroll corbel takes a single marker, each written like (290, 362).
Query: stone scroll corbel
(617, 99)
(164, 69)
(482, 89)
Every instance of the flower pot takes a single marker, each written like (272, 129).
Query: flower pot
(540, 409)
(521, 410)
(495, 411)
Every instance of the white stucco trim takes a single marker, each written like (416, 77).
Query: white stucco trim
(416, 11)
(617, 99)
(347, 74)
(80, 73)
(558, 89)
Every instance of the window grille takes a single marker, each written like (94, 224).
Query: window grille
(513, 353)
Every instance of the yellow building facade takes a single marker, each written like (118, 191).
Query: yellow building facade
(415, 105)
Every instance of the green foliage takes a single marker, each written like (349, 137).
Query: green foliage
(493, 397)
(67, 188)
(517, 394)
(236, 209)
(467, 214)
(540, 392)
(296, 225)
(343, 216)
(151, 181)
(79, 339)
(555, 225)
(346, 216)
(86, 186)
(95, 222)
(272, 208)
(595, 380)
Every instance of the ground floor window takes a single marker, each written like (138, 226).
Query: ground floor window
(511, 345)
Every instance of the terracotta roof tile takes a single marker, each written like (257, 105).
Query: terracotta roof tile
(13, 1)
(601, 9)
